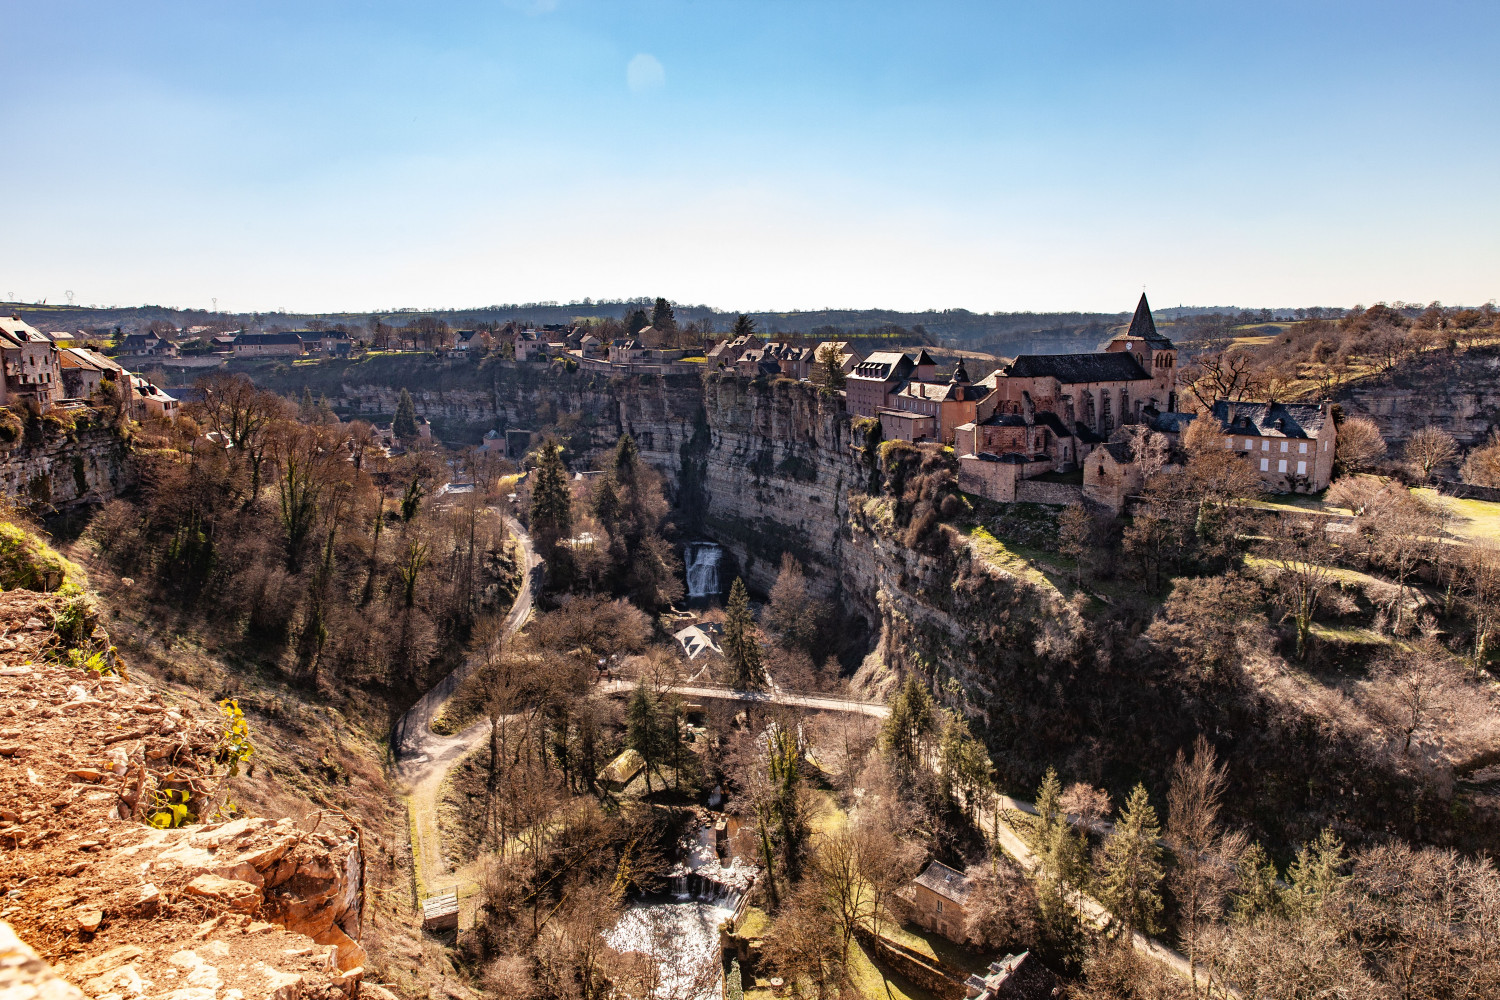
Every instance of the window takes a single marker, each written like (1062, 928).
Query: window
(1265, 465)
(1249, 444)
(1283, 446)
(1281, 465)
(1301, 468)
(940, 906)
(1302, 447)
(1265, 446)
(1229, 442)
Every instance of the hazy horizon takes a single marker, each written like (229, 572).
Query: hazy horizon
(991, 157)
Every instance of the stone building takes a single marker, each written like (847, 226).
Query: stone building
(31, 366)
(938, 900)
(1014, 977)
(1291, 444)
(871, 381)
(257, 345)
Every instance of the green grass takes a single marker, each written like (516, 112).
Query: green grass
(1349, 636)
(1011, 556)
(1474, 520)
(755, 923)
(875, 982)
(937, 948)
(1299, 502)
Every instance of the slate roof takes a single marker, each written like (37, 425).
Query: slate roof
(268, 338)
(1015, 977)
(1144, 326)
(22, 332)
(938, 391)
(1071, 369)
(1172, 423)
(883, 366)
(1282, 420)
(943, 880)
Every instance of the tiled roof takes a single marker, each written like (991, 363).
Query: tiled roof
(883, 366)
(1075, 368)
(1171, 423)
(943, 880)
(1288, 420)
(1143, 325)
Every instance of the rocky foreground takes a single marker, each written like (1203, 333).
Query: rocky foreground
(97, 899)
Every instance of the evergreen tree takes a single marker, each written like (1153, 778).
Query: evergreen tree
(741, 649)
(1131, 866)
(1257, 893)
(636, 322)
(964, 764)
(833, 376)
(405, 424)
(1059, 852)
(551, 500)
(909, 726)
(627, 459)
(663, 320)
(1315, 875)
(643, 731)
(744, 326)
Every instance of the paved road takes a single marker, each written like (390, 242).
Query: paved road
(424, 758)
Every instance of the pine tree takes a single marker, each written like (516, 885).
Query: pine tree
(832, 369)
(636, 322)
(627, 459)
(405, 424)
(1131, 866)
(551, 500)
(663, 320)
(741, 649)
(964, 764)
(643, 732)
(1315, 874)
(909, 726)
(1257, 893)
(744, 326)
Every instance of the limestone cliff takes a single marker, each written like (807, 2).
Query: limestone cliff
(1458, 391)
(88, 464)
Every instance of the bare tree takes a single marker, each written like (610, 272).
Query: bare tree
(1482, 466)
(1227, 374)
(1300, 555)
(1409, 691)
(1428, 450)
(1205, 856)
(1359, 444)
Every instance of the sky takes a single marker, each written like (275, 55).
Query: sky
(774, 155)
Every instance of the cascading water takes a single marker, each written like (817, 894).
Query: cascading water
(702, 559)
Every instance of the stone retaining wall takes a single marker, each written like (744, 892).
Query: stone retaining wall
(1037, 491)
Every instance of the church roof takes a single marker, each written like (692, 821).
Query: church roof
(1076, 368)
(1142, 324)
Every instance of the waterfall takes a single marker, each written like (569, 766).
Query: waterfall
(702, 559)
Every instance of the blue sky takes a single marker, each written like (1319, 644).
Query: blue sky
(769, 155)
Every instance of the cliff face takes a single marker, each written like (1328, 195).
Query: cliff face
(88, 465)
(1458, 391)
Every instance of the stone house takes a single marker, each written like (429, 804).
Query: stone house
(996, 477)
(938, 898)
(907, 425)
(264, 345)
(1110, 474)
(848, 358)
(336, 344)
(146, 345)
(1291, 444)
(950, 403)
(624, 350)
(82, 375)
(31, 366)
(1014, 977)
(872, 380)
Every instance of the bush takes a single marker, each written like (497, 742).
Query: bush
(11, 427)
(28, 563)
(75, 617)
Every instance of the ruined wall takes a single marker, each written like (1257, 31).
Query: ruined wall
(87, 465)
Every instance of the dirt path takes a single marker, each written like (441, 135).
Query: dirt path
(424, 758)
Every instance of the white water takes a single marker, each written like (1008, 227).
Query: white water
(702, 559)
(683, 938)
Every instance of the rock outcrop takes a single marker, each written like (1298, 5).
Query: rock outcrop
(1458, 391)
(88, 465)
(90, 764)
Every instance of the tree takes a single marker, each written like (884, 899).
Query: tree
(1482, 466)
(964, 765)
(908, 729)
(1300, 553)
(741, 648)
(1205, 857)
(643, 729)
(1130, 866)
(798, 619)
(1429, 449)
(831, 369)
(1000, 910)
(1075, 538)
(1204, 620)
(1480, 572)
(744, 326)
(1359, 445)
(663, 320)
(1409, 690)
(1228, 374)
(551, 512)
(404, 426)
(1316, 876)
(803, 944)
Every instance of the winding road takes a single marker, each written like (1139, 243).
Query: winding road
(423, 758)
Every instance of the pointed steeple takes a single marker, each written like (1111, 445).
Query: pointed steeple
(960, 373)
(1141, 324)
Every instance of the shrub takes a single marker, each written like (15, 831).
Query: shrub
(75, 617)
(11, 427)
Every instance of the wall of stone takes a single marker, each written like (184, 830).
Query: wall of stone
(1034, 491)
(87, 466)
(1458, 391)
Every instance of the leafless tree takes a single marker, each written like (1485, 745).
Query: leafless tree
(1300, 554)
(1429, 449)
(1228, 374)
(1482, 466)
(1359, 444)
